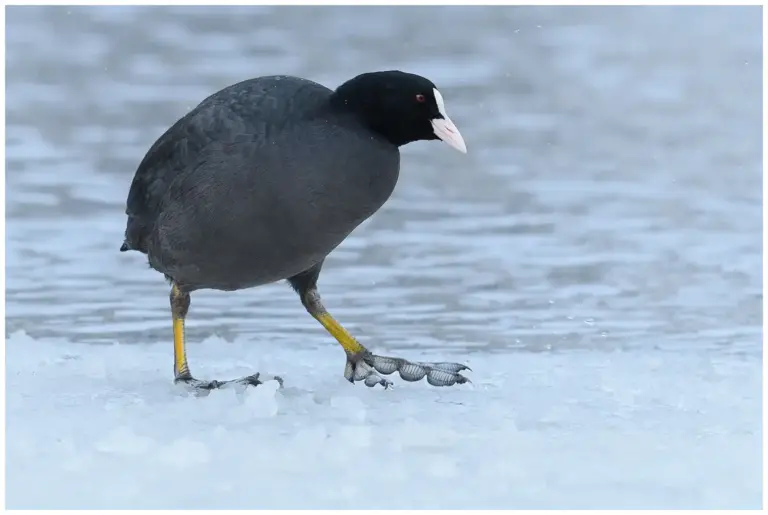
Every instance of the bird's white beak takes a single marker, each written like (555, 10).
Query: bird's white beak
(445, 129)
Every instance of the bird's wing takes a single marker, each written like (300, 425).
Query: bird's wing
(251, 109)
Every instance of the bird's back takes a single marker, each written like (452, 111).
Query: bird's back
(254, 109)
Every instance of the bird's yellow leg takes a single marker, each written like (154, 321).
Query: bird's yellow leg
(363, 365)
(179, 308)
(351, 346)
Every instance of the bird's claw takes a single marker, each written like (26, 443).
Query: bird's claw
(361, 371)
(368, 367)
(203, 388)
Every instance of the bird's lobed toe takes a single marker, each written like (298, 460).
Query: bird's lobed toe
(367, 368)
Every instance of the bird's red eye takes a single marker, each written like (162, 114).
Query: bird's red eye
(420, 98)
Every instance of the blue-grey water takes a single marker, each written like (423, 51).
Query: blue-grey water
(610, 202)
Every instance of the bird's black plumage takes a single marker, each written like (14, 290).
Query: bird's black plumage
(263, 179)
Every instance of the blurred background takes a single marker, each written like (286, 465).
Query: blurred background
(611, 195)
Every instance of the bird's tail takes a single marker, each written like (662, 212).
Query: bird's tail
(134, 236)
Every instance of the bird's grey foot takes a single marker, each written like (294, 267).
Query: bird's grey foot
(366, 367)
(203, 388)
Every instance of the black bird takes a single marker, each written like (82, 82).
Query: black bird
(263, 179)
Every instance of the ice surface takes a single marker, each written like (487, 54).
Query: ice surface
(101, 426)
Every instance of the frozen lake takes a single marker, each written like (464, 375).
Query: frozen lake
(595, 258)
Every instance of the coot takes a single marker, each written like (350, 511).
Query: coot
(263, 179)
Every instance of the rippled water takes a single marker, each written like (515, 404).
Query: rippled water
(610, 199)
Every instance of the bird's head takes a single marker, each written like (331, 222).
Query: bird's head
(400, 106)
